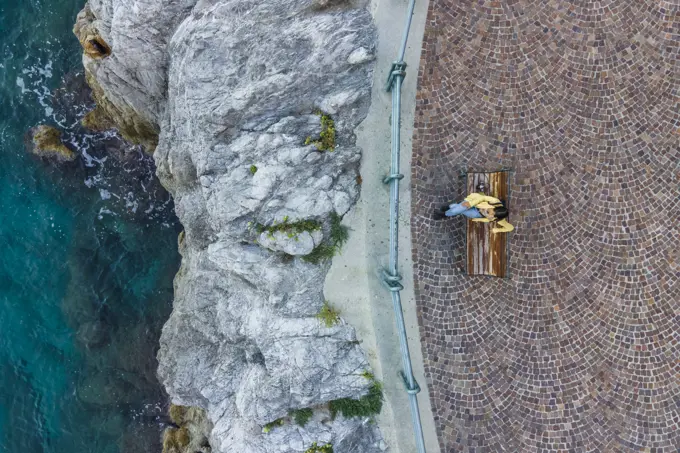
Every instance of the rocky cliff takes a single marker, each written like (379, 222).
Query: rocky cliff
(249, 107)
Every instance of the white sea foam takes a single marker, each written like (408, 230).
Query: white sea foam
(35, 81)
(131, 202)
(91, 161)
(103, 211)
(22, 85)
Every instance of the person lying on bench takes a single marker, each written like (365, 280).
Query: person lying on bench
(480, 208)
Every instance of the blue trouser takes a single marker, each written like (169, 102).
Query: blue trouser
(457, 208)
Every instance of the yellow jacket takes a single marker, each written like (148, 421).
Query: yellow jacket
(482, 201)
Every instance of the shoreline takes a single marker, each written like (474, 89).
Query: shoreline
(215, 198)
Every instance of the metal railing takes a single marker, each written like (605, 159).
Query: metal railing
(391, 276)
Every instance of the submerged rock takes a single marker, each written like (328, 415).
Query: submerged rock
(93, 334)
(113, 170)
(104, 389)
(232, 86)
(45, 141)
(140, 438)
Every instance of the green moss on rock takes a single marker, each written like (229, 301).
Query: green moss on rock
(290, 228)
(271, 425)
(326, 140)
(328, 315)
(315, 448)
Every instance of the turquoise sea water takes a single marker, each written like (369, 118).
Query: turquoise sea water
(87, 257)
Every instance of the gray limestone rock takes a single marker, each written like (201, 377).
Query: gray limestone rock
(291, 243)
(127, 68)
(232, 84)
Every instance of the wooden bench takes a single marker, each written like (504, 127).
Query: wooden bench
(487, 253)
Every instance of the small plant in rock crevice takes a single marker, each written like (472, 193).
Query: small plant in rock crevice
(326, 140)
(366, 406)
(301, 416)
(315, 448)
(271, 425)
(291, 229)
(321, 253)
(339, 234)
(253, 169)
(328, 315)
(368, 375)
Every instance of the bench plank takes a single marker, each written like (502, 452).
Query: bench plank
(487, 252)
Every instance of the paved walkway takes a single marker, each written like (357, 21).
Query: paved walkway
(579, 350)
(354, 283)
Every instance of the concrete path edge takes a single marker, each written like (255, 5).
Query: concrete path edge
(353, 284)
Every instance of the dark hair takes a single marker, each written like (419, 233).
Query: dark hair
(500, 211)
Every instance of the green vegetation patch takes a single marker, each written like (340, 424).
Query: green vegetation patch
(291, 229)
(328, 315)
(321, 253)
(339, 232)
(271, 425)
(315, 448)
(366, 406)
(301, 416)
(368, 375)
(253, 169)
(326, 140)
(339, 235)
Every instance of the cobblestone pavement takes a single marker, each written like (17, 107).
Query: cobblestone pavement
(578, 351)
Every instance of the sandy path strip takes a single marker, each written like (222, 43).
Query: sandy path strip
(353, 284)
